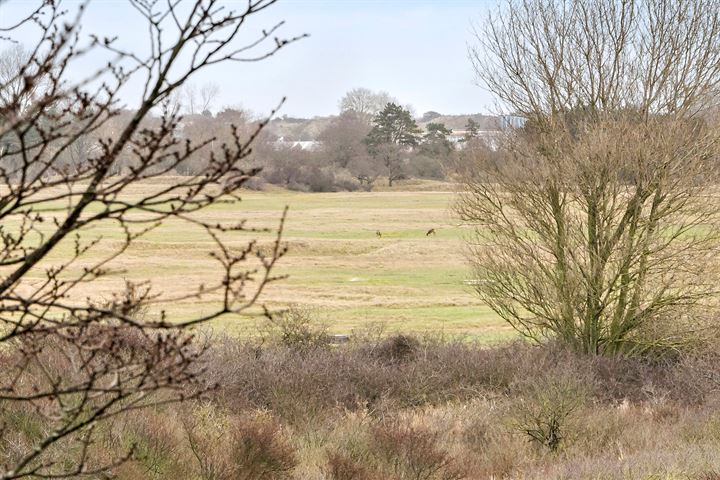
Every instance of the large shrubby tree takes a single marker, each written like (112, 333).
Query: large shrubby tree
(343, 139)
(435, 154)
(344, 147)
(596, 223)
(71, 163)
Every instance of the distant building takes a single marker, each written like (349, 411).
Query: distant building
(457, 136)
(511, 121)
(489, 137)
(308, 145)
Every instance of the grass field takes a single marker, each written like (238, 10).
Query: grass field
(335, 265)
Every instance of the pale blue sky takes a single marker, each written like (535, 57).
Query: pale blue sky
(414, 49)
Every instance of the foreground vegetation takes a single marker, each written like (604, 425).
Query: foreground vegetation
(400, 407)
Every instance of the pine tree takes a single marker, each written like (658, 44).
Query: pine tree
(395, 126)
(472, 129)
(393, 129)
(437, 133)
(435, 142)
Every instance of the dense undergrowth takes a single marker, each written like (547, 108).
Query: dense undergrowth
(400, 407)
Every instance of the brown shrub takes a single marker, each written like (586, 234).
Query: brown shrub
(158, 443)
(413, 453)
(446, 409)
(398, 348)
(239, 447)
(544, 416)
(298, 329)
(260, 450)
(342, 466)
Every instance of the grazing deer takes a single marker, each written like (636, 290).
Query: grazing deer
(430, 232)
(378, 234)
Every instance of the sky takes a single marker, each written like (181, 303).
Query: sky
(414, 49)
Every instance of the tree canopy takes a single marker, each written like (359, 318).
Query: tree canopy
(364, 102)
(393, 125)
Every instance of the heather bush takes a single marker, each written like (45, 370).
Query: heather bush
(545, 412)
(398, 348)
(413, 453)
(343, 467)
(157, 440)
(238, 447)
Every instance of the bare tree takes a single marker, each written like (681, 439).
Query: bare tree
(197, 128)
(208, 94)
(70, 362)
(393, 160)
(366, 169)
(365, 103)
(15, 70)
(653, 56)
(174, 102)
(597, 222)
(343, 139)
(198, 100)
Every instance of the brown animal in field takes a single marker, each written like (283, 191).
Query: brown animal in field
(430, 232)
(378, 234)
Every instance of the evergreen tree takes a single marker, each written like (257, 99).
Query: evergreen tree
(437, 133)
(393, 125)
(435, 141)
(472, 129)
(393, 130)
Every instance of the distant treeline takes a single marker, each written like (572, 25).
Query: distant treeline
(366, 143)
(350, 151)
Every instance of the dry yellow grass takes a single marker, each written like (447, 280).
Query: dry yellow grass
(336, 263)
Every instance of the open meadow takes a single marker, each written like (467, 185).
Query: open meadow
(337, 265)
(223, 257)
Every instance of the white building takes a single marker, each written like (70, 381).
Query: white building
(308, 145)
